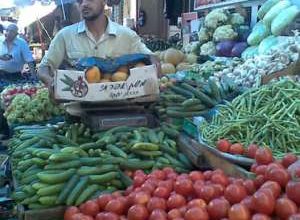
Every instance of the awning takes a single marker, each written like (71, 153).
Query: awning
(30, 14)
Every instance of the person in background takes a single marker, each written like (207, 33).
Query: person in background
(14, 53)
(95, 36)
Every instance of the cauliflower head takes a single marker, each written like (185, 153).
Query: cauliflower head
(208, 49)
(216, 18)
(237, 19)
(224, 32)
(204, 35)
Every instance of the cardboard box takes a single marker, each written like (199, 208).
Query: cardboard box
(142, 82)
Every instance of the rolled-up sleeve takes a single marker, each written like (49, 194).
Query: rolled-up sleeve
(26, 53)
(138, 46)
(56, 52)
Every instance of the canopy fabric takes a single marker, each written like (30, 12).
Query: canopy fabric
(33, 13)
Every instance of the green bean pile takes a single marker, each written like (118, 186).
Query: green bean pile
(269, 115)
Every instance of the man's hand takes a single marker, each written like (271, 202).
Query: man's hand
(156, 62)
(6, 57)
(45, 76)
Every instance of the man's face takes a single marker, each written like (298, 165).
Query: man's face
(91, 9)
(11, 33)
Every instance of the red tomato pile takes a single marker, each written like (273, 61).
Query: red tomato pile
(167, 195)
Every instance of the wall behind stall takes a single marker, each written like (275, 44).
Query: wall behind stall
(155, 24)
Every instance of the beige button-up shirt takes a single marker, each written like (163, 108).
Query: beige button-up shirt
(76, 41)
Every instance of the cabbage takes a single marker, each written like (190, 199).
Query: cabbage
(267, 44)
(208, 49)
(224, 48)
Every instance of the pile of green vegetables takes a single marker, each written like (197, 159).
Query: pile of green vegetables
(26, 109)
(269, 115)
(53, 167)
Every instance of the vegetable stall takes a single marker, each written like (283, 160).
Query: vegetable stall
(224, 143)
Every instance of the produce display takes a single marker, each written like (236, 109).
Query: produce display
(250, 73)
(11, 91)
(268, 116)
(165, 194)
(186, 99)
(68, 165)
(223, 34)
(156, 44)
(35, 108)
(275, 16)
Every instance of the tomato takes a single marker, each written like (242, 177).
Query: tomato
(196, 203)
(115, 206)
(261, 170)
(90, 208)
(223, 145)
(253, 167)
(207, 192)
(247, 202)
(159, 174)
(250, 186)
(196, 175)
(183, 210)
(218, 171)
(166, 183)
(123, 217)
(196, 213)
(172, 176)
(219, 189)
(263, 203)
(103, 200)
(141, 198)
(174, 213)
(184, 187)
(285, 208)
(168, 170)
(116, 194)
(220, 179)
(207, 174)
(139, 173)
(259, 180)
(80, 216)
(138, 180)
(218, 208)
(70, 212)
(176, 201)
(260, 217)
(289, 159)
(274, 186)
(138, 212)
(148, 188)
(161, 192)
(128, 190)
(238, 212)
(293, 192)
(264, 156)
(252, 148)
(280, 176)
(235, 193)
(236, 149)
(158, 214)
(156, 203)
(294, 169)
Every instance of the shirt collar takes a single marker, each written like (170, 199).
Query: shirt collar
(111, 28)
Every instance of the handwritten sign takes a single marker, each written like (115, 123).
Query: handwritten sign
(71, 85)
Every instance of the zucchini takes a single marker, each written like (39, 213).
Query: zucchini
(145, 147)
(67, 189)
(116, 151)
(84, 170)
(86, 194)
(50, 190)
(181, 91)
(54, 177)
(63, 165)
(48, 200)
(104, 178)
(133, 164)
(62, 157)
(153, 136)
(190, 102)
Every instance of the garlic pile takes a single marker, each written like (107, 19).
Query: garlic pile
(249, 73)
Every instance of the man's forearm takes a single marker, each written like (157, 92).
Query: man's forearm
(44, 74)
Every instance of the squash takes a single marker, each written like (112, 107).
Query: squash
(93, 75)
(107, 76)
(173, 56)
(183, 66)
(167, 68)
(123, 69)
(119, 76)
(139, 64)
(162, 56)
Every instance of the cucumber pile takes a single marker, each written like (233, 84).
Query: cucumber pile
(57, 166)
(183, 100)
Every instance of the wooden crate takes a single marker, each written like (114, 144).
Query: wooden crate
(203, 156)
(55, 213)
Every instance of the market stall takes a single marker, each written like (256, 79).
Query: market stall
(215, 136)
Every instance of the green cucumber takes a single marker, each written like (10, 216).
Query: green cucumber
(153, 136)
(148, 153)
(63, 165)
(116, 151)
(53, 178)
(50, 190)
(67, 189)
(133, 164)
(86, 194)
(77, 190)
(181, 91)
(48, 200)
(62, 157)
(190, 102)
(104, 178)
(85, 170)
(143, 146)
(126, 180)
(184, 160)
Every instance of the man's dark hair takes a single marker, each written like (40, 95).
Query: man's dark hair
(1, 28)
